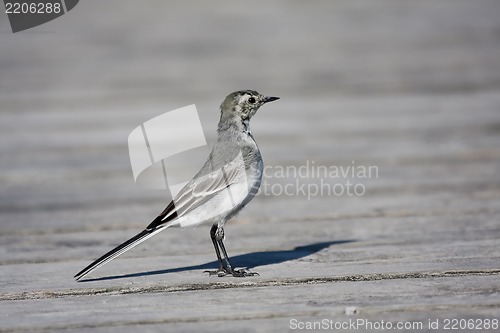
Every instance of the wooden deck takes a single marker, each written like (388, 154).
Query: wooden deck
(411, 88)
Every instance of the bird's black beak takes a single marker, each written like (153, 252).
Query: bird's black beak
(270, 99)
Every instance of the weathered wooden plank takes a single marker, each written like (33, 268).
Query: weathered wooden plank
(409, 87)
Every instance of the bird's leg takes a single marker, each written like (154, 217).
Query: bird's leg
(217, 235)
(220, 271)
(229, 269)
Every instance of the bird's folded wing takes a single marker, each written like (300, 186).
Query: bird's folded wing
(200, 190)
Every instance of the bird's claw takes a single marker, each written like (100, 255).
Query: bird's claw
(219, 272)
(243, 273)
(234, 272)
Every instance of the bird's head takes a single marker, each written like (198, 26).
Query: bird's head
(243, 104)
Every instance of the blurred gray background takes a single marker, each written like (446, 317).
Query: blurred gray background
(412, 87)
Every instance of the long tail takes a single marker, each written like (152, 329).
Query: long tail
(120, 249)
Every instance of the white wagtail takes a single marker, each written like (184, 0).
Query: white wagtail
(228, 181)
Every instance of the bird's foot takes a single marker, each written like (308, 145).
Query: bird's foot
(220, 272)
(234, 272)
(242, 273)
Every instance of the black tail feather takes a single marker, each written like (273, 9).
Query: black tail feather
(120, 249)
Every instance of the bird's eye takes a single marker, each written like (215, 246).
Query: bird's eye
(251, 100)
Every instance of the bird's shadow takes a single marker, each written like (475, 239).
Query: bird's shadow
(248, 260)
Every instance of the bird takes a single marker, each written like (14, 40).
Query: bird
(227, 182)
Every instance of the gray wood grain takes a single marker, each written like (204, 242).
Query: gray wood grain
(412, 88)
